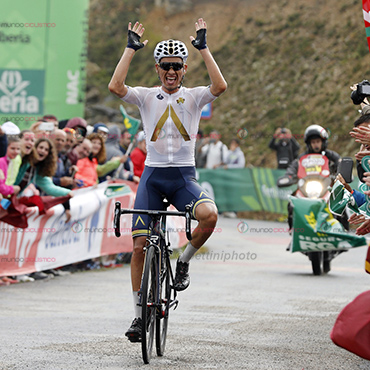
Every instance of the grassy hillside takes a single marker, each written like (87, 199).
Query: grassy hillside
(287, 62)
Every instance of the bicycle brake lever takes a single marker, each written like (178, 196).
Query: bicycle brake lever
(117, 219)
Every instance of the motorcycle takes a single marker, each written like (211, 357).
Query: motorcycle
(313, 183)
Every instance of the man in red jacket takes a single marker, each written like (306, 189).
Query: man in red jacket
(138, 155)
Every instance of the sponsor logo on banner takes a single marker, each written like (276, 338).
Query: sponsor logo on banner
(21, 92)
(117, 189)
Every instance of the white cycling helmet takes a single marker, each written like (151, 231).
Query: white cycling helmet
(172, 49)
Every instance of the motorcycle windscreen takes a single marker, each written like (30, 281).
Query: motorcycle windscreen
(315, 229)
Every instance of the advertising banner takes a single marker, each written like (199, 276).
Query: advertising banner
(272, 198)
(49, 242)
(233, 190)
(246, 189)
(43, 48)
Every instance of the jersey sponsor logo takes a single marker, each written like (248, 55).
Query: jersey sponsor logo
(160, 97)
(176, 120)
(180, 101)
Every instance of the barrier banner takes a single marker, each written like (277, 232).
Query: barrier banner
(49, 242)
(272, 198)
(246, 189)
(315, 229)
(232, 189)
(43, 49)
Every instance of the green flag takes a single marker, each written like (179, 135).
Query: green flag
(132, 124)
(340, 198)
(315, 229)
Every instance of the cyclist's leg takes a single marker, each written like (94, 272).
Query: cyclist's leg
(204, 210)
(206, 214)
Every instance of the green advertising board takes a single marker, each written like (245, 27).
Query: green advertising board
(233, 190)
(246, 189)
(43, 46)
(272, 198)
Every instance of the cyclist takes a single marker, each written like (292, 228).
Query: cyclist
(170, 115)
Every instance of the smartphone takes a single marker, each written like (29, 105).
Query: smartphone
(345, 168)
(46, 126)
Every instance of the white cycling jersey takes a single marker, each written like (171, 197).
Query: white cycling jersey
(170, 122)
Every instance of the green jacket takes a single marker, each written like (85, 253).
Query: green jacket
(43, 182)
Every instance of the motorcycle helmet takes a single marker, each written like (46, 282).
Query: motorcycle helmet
(170, 48)
(314, 132)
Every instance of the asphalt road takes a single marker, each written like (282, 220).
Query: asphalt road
(261, 309)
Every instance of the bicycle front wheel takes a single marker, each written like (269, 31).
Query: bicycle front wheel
(149, 288)
(162, 316)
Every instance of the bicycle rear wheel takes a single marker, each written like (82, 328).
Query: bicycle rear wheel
(148, 308)
(162, 317)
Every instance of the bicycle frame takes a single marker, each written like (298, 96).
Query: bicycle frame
(155, 268)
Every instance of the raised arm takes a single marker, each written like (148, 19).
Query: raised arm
(218, 83)
(117, 83)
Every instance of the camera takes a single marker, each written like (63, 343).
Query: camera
(283, 131)
(363, 90)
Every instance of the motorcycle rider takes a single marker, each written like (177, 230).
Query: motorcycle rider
(316, 139)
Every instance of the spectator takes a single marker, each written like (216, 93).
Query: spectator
(112, 142)
(125, 141)
(11, 130)
(126, 171)
(235, 157)
(101, 129)
(38, 167)
(43, 128)
(138, 155)
(200, 159)
(62, 176)
(80, 126)
(27, 142)
(214, 150)
(70, 140)
(51, 118)
(91, 167)
(287, 147)
(361, 132)
(80, 151)
(13, 150)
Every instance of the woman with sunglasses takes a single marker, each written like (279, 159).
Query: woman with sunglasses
(171, 115)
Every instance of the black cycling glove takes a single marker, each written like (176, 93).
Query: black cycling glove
(201, 41)
(133, 41)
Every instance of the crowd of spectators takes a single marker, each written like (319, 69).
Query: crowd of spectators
(54, 158)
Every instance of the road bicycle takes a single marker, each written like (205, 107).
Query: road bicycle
(157, 295)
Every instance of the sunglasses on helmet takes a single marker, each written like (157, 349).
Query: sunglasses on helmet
(176, 66)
